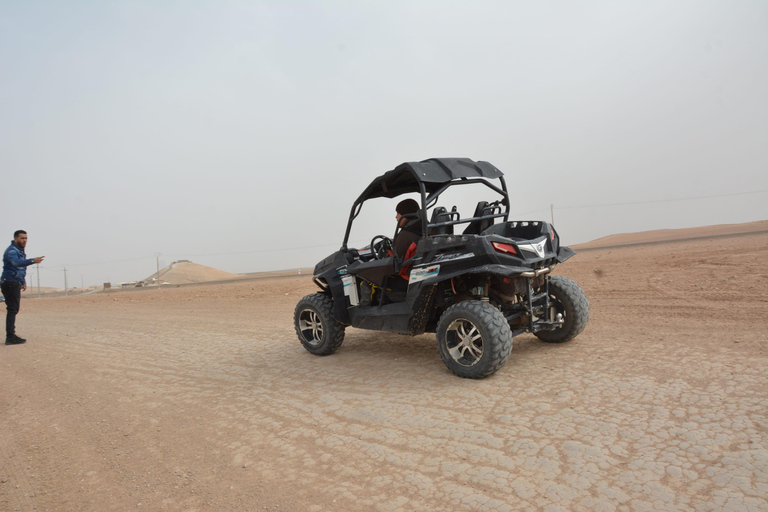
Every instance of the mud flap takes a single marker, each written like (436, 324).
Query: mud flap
(422, 309)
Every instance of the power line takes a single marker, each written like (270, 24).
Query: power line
(650, 201)
(109, 262)
(278, 249)
(517, 215)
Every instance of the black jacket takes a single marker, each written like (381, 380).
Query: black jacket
(409, 234)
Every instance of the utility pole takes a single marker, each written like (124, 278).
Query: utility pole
(38, 279)
(157, 260)
(552, 213)
(66, 291)
(81, 282)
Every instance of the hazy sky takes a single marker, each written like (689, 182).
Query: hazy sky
(237, 134)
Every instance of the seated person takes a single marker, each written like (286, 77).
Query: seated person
(408, 235)
(410, 227)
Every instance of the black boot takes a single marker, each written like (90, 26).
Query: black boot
(14, 340)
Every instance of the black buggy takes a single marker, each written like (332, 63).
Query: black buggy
(476, 288)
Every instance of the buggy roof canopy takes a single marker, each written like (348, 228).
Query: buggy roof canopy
(433, 173)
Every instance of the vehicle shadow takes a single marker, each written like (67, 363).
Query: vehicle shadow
(380, 349)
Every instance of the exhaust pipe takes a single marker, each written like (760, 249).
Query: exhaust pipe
(538, 272)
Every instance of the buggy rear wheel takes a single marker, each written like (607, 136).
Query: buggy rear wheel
(316, 325)
(569, 300)
(474, 339)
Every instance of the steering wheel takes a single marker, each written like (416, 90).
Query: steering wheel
(386, 245)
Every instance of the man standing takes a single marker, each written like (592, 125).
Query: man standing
(13, 282)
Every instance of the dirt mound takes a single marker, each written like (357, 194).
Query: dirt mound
(185, 272)
(667, 235)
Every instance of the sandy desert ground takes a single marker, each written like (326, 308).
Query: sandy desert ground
(200, 398)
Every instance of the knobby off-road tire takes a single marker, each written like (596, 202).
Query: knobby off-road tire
(570, 300)
(474, 339)
(316, 325)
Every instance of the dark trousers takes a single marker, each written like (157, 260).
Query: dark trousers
(12, 294)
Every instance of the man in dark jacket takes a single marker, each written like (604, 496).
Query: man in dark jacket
(406, 238)
(410, 227)
(13, 282)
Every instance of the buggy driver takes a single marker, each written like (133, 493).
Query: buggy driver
(406, 238)
(410, 226)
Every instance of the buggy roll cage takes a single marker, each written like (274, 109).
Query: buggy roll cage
(433, 176)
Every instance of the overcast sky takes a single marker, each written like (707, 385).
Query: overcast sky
(237, 134)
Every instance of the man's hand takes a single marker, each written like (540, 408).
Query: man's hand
(39, 259)
(23, 287)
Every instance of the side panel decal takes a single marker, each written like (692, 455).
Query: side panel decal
(420, 274)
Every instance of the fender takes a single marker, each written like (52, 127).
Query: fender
(564, 253)
(491, 269)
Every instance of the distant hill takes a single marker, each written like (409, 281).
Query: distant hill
(185, 272)
(32, 290)
(668, 235)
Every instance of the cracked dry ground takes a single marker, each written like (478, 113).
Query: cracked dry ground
(201, 398)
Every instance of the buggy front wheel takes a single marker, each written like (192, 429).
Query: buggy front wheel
(316, 325)
(474, 339)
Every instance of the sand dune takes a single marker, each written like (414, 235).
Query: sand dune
(667, 235)
(185, 272)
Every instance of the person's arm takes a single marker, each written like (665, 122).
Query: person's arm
(15, 259)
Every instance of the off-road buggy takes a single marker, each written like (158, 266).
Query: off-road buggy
(476, 289)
